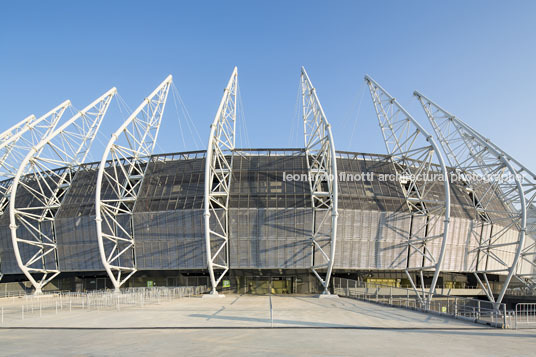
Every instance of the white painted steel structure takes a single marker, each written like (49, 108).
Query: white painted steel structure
(122, 169)
(20, 142)
(15, 129)
(413, 163)
(218, 173)
(474, 157)
(322, 173)
(45, 176)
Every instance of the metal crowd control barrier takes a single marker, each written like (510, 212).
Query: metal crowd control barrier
(525, 315)
(479, 311)
(20, 307)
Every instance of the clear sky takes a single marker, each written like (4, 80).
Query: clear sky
(475, 58)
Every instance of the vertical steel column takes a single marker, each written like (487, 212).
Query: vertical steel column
(218, 174)
(322, 173)
(45, 175)
(122, 168)
(413, 164)
(474, 159)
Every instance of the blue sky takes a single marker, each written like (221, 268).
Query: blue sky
(475, 58)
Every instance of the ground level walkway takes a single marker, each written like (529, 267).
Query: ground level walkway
(242, 325)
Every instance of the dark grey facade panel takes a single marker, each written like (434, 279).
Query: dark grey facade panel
(270, 218)
(170, 240)
(80, 200)
(9, 263)
(172, 185)
(270, 238)
(78, 249)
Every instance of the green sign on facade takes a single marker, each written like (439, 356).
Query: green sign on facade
(150, 283)
(226, 283)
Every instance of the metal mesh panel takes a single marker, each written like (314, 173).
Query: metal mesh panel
(269, 218)
(80, 200)
(9, 264)
(172, 185)
(77, 244)
(270, 238)
(170, 240)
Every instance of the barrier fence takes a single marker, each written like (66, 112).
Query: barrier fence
(475, 310)
(525, 315)
(21, 307)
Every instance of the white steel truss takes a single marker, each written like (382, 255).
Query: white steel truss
(16, 147)
(322, 173)
(126, 156)
(528, 183)
(420, 180)
(15, 129)
(489, 177)
(218, 173)
(42, 180)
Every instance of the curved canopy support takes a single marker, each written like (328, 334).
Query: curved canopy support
(499, 200)
(322, 173)
(218, 173)
(413, 164)
(14, 149)
(7, 136)
(126, 155)
(38, 189)
(21, 126)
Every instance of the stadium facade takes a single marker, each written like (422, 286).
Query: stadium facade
(263, 220)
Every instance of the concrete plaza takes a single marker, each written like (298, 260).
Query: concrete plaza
(242, 325)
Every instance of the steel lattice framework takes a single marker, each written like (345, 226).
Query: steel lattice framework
(44, 177)
(19, 143)
(413, 164)
(21, 126)
(127, 155)
(218, 173)
(322, 173)
(488, 174)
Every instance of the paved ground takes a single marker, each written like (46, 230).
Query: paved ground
(241, 325)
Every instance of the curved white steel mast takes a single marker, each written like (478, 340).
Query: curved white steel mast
(122, 168)
(16, 147)
(43, 178)
(322, 172)
(15, 129)
(218, 173)
(473, 157)
(413, 164)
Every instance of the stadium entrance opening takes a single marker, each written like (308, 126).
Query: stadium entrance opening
(266, 283)
(262, 285)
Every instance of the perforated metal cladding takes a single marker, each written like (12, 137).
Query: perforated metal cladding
(78, 249)
(80, 200)
(9, 263)
(76, 233)
(372, 193)
(460, 252)
(270, 218)
(271, 238)
(172, 185)
(170, 240)
(373, 219)
(168, 217)
(261, 182)
(371, 240)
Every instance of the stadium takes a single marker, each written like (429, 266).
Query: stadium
(245, 220)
